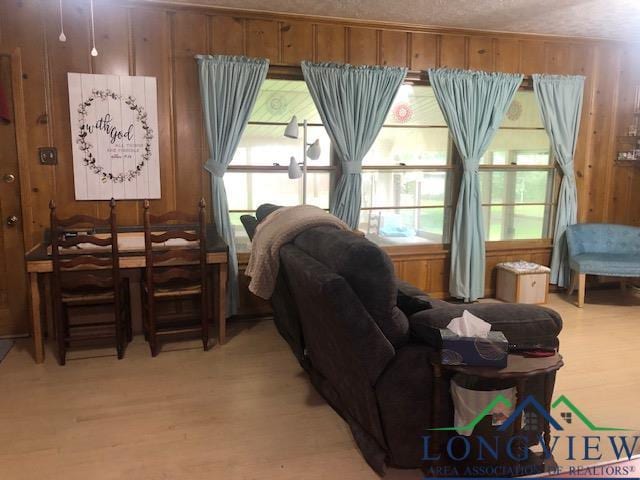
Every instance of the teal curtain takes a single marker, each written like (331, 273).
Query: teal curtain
(473, 105)
(353, 102)
(560, 103)
(229, 87)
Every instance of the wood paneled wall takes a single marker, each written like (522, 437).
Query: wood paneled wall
(161, 40)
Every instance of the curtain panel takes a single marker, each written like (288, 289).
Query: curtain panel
(229, 87)
(353, 102)
(560, 105)
(473, 105)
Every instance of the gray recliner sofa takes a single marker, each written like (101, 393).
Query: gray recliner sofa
(335, 303)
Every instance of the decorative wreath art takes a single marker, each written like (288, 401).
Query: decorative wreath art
(402, 112)
(89, 160)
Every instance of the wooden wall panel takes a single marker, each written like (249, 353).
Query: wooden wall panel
(297, 42)
(394, 48)
(363, 46)
(228, 35)
(557, 58)
(453, 51)
(72, 56)
(25, 30)
(481, 54)
(152, 56)
(424, 51)
(262, 39)
(190, 38)
(532, 57)
(507, 55)
(331, 42)
(604, 119)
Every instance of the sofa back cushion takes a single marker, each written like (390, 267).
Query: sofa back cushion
(603, 238)
(368, 271)
(341, 337)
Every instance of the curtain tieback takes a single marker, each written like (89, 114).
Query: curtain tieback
(215, 168)
(351, 167)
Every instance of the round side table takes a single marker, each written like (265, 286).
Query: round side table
(519, 369)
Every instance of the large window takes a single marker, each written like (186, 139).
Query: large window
(517, 176)
(407, 174)
(258, 172)
(411, 175)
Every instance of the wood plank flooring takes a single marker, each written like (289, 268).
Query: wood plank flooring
(246, 411)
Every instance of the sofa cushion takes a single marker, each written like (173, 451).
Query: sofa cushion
(525, 326)
(622, 264)
(367, 269)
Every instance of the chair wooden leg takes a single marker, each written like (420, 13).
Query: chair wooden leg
(61, 321)
(623, 285)
(151, 327)
(120, 332)
(581, 288)
(204, 318)
(127, 312)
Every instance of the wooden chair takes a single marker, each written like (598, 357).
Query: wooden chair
(86, 272)
(175, 273)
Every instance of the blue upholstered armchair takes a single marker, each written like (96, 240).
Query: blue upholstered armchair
(602, 249)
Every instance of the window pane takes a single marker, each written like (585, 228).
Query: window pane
(243, 244)
(263, 145)
(415, 105)
(411, 146)
(523, 186)
(248, 190)
(515, 222)
(521, 147)
(279, 100)
(523, 111)
(404, 226)
(388, 188)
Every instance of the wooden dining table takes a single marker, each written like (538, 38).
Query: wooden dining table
(132, 256)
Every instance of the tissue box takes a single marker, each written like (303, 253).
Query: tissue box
(491, 351)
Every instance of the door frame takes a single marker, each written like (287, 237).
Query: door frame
(17, 90)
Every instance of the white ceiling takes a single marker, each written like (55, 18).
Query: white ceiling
(614, 19)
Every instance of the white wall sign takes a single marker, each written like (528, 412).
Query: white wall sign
(114, 127)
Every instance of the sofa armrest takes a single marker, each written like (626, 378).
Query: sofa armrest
(408, 290)
(525, 326)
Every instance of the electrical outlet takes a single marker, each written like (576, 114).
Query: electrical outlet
(48, 156)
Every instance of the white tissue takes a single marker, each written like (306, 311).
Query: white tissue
(468, 325)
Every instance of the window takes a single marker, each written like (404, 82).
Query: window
(258, 172)
(407, 175)
(410, 176)
(517, 176)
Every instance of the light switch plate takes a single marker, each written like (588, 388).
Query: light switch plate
(48, 155)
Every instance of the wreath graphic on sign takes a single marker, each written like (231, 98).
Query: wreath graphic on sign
(89, 159)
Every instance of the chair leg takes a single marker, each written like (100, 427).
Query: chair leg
(61, 321)
(120, 333)
(128, 316)
(581, 288)
(151, 330)
(204, 319)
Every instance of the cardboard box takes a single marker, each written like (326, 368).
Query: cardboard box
(477, 352)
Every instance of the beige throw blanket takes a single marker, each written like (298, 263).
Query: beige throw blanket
(279, 228)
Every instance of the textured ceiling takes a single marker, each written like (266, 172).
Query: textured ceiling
(615, 19)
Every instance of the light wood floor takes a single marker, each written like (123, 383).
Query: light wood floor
(245, 411)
